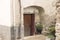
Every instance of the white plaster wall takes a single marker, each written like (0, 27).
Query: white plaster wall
(46, 4)
(16, 6)
(5, 12)
(6, 18)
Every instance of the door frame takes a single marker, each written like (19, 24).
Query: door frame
(32, 28)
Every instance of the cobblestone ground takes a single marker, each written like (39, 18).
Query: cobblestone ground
(35, 37)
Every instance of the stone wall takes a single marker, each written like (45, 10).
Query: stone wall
(49, 9)
(5, 33)
(58, 20)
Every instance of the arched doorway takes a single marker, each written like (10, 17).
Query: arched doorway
(32, 16)
(29, 24)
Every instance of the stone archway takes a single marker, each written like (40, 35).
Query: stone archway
(38, 12)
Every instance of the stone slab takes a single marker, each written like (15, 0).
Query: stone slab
(35, 37)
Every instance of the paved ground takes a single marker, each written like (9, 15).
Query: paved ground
(35, 37)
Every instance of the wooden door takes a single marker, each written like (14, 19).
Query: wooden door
(29, 24)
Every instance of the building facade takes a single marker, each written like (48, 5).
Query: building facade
(22, 15)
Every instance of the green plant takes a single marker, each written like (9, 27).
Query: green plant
(52, 30)
(50, 36)
(39, 28)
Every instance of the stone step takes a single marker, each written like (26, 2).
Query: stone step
(35, 37)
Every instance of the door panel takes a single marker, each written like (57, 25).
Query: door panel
(29, 24)
(32, 31)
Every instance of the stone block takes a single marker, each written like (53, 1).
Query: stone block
(7, 33)
(57, 38)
